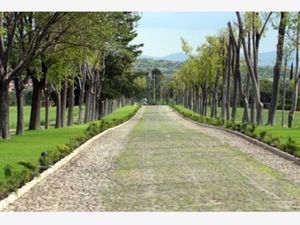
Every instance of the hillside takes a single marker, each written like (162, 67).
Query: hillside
(179, 56)
(265, 58)
(167, 67)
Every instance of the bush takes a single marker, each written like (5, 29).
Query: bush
(262, 135)
(17, 178)
(290, 146)
(248, 129)
(275, 141)
(92, 130)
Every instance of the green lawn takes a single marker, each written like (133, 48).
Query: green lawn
(29, 146)
(52, 113)
(276, 131)
(282, 132)
(277, 117)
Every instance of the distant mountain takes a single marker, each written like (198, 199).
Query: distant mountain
(179, 57)
(265, 58)
(171, 63)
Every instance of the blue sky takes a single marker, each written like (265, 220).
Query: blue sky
(160, 32)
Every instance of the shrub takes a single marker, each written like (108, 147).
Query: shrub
(248, 129)
(290, 146)
(228, 124)
(262, 135)
(17, 178)
(275, 141)
(253, 135)
(244, 128)
(252, 127)
(92, 130)
(268, 139)
(63, 150)
(8, 171)
(28, 165)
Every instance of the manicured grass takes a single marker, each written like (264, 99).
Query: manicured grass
(52, 113)
(277, 117)
(121, 112)
(29, 146)
(276, 131)
(282, 132)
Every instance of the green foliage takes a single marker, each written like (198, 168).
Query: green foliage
(291, 147)
(8, 170)
(16, 178)
(262, 135)
(168, 68)
(28, 165)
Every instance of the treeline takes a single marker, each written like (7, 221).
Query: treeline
(224, 71)
(168, 68)
(72, 58)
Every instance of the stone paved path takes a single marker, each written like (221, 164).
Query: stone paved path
(76, 186)
(161, 162)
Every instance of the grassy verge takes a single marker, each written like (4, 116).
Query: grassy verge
(52, 114)
(278, 115)
(284, 139)
(55, 143)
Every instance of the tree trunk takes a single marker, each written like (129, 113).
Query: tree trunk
(35, 120)
(214, 111)
(189, 98)
(294, 103)
(80, 105)
(224, 91)
(46, 112)
(251, 70)
(235, 85)
(4, 109)
(204, 100)
(20, 106)
(71, 104)
(63, 105)
(284, 90)
(252, 108)
(47, 103)
(227, 104)
(87, 106)
(244, 98)
(58, 110)
(277, 69)
(81, 81)
(297, 77)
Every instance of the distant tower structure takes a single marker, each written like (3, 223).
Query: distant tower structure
(156, 79)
